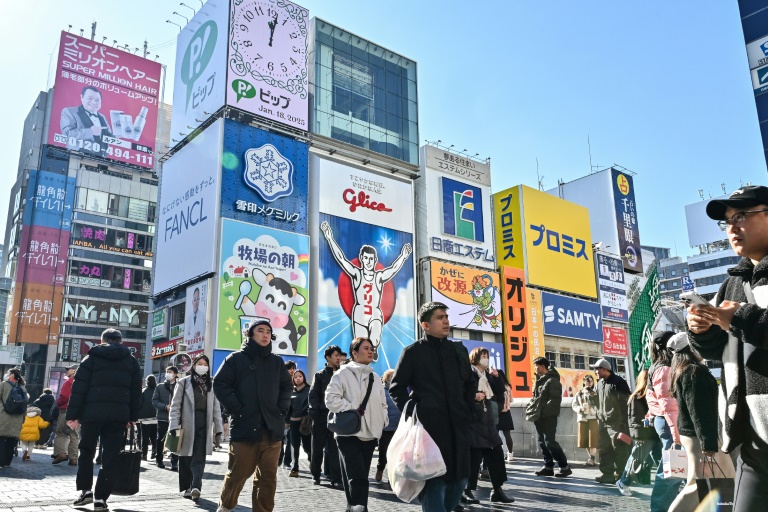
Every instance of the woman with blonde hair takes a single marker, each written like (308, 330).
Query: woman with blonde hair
(643, 435)
(585, 405)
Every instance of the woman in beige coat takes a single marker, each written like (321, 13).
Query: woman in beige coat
(196, 411)
(10, 424)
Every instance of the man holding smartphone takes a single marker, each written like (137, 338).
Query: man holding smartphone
(735, 331)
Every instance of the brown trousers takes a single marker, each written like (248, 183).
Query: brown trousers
(257, 458)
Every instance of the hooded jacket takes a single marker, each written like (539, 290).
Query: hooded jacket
(45, 403)
(30, 430)
(255, 388)
(549, 388)
(743, 349)
(107, 386)
(612, 396)
(346, 392)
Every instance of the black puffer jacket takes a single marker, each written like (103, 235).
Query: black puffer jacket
(483, 431)
(612, 396)
(316, 398)
(696, 395)
(161, 399)
(107, 386)
(45, 403)
(255, 388)
(147, 409)
(299, 403)
(550, 389)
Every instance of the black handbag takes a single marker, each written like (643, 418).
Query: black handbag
(719, 490)
(348, 423)
(126, 469)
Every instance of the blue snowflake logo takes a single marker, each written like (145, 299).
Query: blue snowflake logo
(268, 172)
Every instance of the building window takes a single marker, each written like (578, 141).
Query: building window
(674, 272)
(662, 286)
(565, 360)
(579, 363)
(592, 360)
(551, 357)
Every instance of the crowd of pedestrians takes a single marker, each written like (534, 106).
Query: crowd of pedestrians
(268, 411)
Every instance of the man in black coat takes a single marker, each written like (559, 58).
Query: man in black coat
(612, 415)
(254, 386)
(321, 436)
(105, 399)
(438, 375)
(45, 403)
(549, 391)
(161, 400)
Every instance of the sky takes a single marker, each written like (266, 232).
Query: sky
(661, 88)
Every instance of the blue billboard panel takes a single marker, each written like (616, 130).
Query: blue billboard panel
(50, 199)
(264, 178)
(495, 351)
(572, 318)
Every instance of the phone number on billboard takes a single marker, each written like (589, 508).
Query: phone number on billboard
(111, 151)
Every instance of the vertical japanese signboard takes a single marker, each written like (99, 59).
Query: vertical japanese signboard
(641, 322)
(613, 289)
(535, 325)
(509, 228)
(516, 333)
(105, 102)
(158, 324)
(268, 60)
(40, 277)
(615, 342)
(195, 313)
(626, 221)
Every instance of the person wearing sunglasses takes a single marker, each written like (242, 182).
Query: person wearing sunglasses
(734, 330)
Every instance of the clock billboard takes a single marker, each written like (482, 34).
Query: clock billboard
(267, 73)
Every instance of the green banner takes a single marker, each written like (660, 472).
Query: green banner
(641, 322)
(158, 324)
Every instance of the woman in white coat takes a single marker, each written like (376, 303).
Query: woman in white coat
(195, 409)
(346, 392)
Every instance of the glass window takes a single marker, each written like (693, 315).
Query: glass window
(82, 198)
(579, 363)
(97, 201)
(592, 360)
(138, 209)
(551, 356)
(674, 272)
(565, 360)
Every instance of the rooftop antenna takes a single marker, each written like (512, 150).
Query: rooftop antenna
(93, 31)
(722, 186)
(539, 178)
(701, 193)
(589, 146)
(82, 32)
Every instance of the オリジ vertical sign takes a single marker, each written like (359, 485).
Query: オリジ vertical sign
(516, 333)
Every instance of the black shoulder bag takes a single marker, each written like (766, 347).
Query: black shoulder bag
(349, 423)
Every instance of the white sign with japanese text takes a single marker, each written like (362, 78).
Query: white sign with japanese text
(187, 210)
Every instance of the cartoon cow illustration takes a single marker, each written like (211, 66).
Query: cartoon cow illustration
(275, 302)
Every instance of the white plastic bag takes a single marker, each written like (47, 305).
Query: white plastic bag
(413, 454)
(675, 463)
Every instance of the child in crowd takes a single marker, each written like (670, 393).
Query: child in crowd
(30, 430)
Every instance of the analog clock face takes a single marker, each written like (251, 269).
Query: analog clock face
(270, 39)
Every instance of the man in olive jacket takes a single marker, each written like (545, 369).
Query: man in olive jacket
(255, 388)
(612, 395)
(549, 391)
(435, 373)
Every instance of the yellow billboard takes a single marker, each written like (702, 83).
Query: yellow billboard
(508, 218)
(558, 244)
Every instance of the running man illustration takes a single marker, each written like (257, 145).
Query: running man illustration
(367, 283)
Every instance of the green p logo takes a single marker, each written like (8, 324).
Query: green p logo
(197, 56)
(243, 89)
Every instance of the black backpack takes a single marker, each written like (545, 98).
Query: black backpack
(16, 403)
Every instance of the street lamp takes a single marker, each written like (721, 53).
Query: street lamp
(181, 16)
(172, 23)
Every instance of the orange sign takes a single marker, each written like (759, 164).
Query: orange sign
(535, 325)
(517, 352)
(36, 314)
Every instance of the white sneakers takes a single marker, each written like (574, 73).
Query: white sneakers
(510, 457)
(623, 489)
(195, 494)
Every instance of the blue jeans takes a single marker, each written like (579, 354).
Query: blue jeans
(441, 496)
(664, 489)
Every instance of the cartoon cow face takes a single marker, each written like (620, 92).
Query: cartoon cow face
(276, 299)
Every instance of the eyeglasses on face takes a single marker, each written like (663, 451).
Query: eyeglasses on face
(737, 219)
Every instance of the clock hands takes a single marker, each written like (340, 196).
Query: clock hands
(272, 24)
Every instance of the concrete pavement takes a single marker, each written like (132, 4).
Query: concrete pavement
(38, 485)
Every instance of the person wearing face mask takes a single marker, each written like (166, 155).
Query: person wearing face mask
(254, 386)
(484, 440)
(161, 399)
(195, 410)
(10, 424)
(30, 431)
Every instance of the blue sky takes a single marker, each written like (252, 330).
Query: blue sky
(661, 88)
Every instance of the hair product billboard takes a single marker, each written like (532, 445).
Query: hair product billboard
(264, 274)
(366, 266)
(105, 102)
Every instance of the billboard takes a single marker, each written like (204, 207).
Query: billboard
(615, 342)
(495, 351)
(195, 313)
(366, 268)
(572, 380)
(50, 199)
(105, 102)
(264, 273)
(519, 358)
(159, 323)
(187, 210)
(37, 310)
(613, 289)
(701, 229)
(200, 74)
(757, 52)
(264, 178)
(535, 323)
(508, 219)
(268, 60)
(626, 222)
(43, 255)
(572, 318)
(472, 296)
(641, 322)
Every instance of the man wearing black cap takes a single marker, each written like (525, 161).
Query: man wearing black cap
(254, 386)
(434, 373)
(614, 444)
(734, 330)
